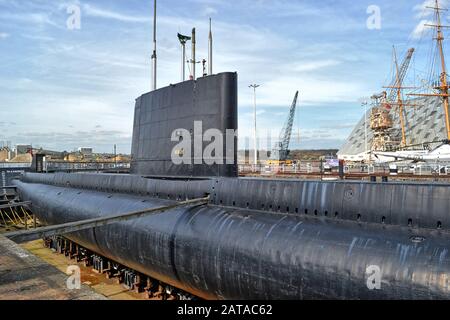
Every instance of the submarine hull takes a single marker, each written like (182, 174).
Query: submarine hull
(221, 252)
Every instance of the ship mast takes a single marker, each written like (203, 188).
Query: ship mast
(443, 88)
(443, 81)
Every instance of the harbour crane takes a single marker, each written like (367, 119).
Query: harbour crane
(396, 85)
(396, 90)
(281, 151)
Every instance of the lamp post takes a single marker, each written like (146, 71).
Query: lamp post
(115, 157)
(254, 86)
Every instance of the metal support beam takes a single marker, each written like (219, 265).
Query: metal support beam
(49, 231)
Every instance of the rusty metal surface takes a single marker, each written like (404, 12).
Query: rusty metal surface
(219, 252)
(24, 276)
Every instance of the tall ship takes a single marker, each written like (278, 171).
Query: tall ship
(405, 122)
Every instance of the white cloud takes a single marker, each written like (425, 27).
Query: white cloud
(40, 19)
(313, 91)
(215, 2)
(4, 35)
(424, 12)
(423, 9)
(314, 65)
(209, 11)
(250, 115)
(38, 37)
(98, 77)
(93, 11)
(421, 29)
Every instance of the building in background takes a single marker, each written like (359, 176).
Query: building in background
(86, 153)
(5, 154)
(424, 123)
(23, 149)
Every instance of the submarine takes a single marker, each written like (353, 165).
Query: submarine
(254, 238)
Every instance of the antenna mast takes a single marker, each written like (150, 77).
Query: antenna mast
(210, 51)
(154, 59)
(193, 54)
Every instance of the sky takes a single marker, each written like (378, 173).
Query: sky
(63, 87)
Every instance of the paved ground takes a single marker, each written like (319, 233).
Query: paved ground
(23, 276)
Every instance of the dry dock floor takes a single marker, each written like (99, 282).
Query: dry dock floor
(24, 276)
(97, 282)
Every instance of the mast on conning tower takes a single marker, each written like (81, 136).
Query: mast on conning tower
(154, 57)
(210, 49)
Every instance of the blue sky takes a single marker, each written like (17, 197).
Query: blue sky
(62, 88)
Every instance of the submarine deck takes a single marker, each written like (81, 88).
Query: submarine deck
(24, 276)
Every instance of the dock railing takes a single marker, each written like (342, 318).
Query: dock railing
(317, 168)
